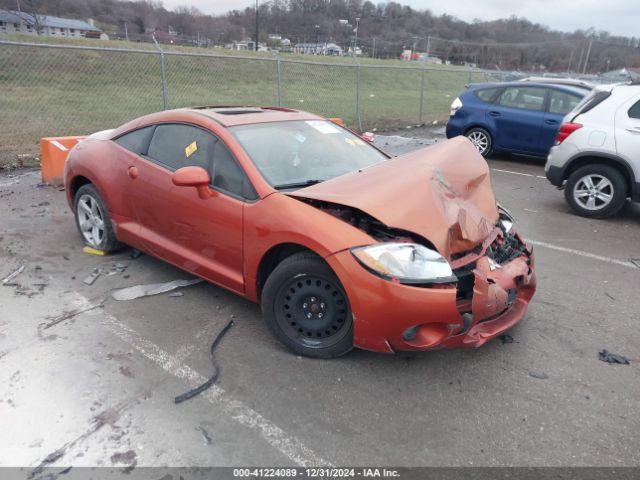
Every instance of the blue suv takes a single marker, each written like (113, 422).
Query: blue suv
(515, 117)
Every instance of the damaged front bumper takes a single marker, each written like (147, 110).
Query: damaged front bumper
(495, 284)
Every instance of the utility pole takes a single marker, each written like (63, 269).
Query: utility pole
(428, 44)
(586, 60)
(580, 60)
(255, 45)
(356, 40)
(373, 50)
(570, 61)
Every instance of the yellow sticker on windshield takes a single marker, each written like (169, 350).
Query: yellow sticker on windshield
(190, 149)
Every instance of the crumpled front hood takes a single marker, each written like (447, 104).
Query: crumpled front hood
(442, 193)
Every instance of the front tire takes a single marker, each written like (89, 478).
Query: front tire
(92, 220)
(596, 191)
(307, 309)
(482, 140)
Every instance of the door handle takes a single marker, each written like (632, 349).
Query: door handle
(551, 122)
(133, 172)
(493, 113)
(633, 129)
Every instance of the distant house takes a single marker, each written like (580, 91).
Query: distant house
(23, 23)
(318, 49)
(249, 45)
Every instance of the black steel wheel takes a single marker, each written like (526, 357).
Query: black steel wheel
(306, 307)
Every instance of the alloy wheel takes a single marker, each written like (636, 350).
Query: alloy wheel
(479, 140)
(593, 192)
(90, 220)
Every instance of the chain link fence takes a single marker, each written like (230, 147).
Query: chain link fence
(57, 90)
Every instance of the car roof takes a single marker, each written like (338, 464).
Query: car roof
(568, 88)
(230, 116)
(223, 115)
(574, 82)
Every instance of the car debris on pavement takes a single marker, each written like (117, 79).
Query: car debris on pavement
(608, 357)
(93, 276)
(137, 291)
(12, 275)
(216, 370)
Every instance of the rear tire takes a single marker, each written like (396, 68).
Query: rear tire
(92, 220)
(482, 140)
(306, 307)
(596, 191)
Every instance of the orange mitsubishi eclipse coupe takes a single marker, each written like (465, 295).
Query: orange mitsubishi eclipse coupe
(340, 244)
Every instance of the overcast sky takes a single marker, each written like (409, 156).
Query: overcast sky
(618, 17)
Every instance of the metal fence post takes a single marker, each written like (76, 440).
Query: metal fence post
(358, 117)
(278, 81)
(162, 73)
(422, 81)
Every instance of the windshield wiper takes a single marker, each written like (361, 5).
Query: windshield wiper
(306, 183)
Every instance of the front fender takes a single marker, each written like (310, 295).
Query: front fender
(279, 219)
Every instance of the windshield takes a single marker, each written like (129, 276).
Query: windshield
(300, 153)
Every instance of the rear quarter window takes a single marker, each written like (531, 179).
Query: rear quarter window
(634, 112)
(591, 101)
(562, 102)
(136, 141)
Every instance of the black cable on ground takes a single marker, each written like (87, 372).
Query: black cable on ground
(216, 369)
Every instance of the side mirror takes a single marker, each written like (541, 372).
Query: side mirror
(196, 177)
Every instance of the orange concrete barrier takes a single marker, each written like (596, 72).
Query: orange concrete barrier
(54, 153)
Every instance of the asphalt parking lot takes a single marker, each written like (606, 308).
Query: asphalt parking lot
(87, 381)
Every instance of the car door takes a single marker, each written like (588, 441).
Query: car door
(627, 133)
(130, 146)
(516, 119)
(202, 236)
(559, 104)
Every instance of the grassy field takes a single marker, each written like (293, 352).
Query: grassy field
(54, 92)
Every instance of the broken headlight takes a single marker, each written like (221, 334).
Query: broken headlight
(405, 262)
(506, 219)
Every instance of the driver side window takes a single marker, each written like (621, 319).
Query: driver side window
(175, 146)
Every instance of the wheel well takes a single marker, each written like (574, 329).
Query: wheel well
(483, 128)
(76, 183)
(272, 259)
(478, 126)
(596, 160)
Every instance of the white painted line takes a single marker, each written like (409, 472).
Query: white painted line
(581, 253)
(59, 145)
(275, 436)
(514, 173)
